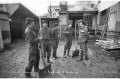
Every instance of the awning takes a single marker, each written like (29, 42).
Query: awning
(83, 11)
(47, 18)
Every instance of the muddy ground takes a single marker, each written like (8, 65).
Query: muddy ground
(101, 64)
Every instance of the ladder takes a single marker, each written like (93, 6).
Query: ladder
(104, 30)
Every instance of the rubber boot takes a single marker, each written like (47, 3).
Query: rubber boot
(86, 57)
(81, 57)
(68, 52)
(37, 74)
(54, 54)
(64, 53)
(28, 72)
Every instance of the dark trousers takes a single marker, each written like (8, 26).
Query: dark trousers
(55, 46)
(83, 46)
(34, 57)
(67, 47)
(47, 49)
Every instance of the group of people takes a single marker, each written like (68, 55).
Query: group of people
(48, 40)
(82, 39)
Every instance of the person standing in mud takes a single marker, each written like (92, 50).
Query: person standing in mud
(83, 39)
(46, 34)
(32, 40)
(55, 40)
(68, 32)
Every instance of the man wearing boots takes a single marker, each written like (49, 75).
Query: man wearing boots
(83, 39)
(68, 32)
(32, 40)
(46, 34)
(55, 39)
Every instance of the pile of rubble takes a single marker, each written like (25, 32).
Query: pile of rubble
(108, 44)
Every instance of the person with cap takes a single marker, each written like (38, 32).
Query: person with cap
(46, 34)
(68, 32)
(83, 39)
(55, 39)
(32, 40)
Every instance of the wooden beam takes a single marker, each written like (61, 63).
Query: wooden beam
(1, 41)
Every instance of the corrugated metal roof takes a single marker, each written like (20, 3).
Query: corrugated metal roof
(106, 4)
(22, 12)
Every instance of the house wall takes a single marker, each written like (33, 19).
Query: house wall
(113, 30)
(116, 9)
(5, 36)
(17, 27)
(5, 29)
(83, 5)
(94, 22)
(63, 23)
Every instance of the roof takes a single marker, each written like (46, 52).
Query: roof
(106, 4)
(82, 11)
(54, 6)
(47, 18)
(22, 12)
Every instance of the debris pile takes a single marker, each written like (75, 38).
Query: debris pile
(109, 44)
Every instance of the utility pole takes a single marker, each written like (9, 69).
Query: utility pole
(50, 10)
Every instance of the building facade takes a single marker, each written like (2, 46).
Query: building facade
(86, 10)
(12, 22)
(111, 10)
(18, 13)
(5, 36)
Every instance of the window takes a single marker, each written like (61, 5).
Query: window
(92, 5)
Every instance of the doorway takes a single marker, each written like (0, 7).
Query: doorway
(16, 30)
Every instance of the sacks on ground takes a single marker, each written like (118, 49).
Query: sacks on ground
(75, 53)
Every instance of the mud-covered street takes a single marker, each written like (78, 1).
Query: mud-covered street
(100, 65)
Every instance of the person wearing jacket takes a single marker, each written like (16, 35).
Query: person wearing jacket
(32, 40)
(68, 32)
(83, 39)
